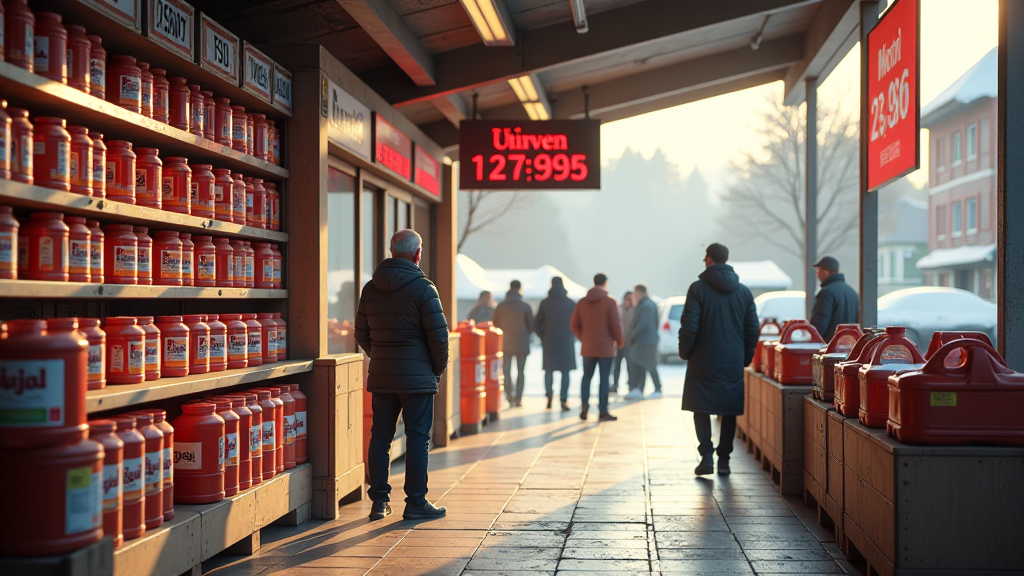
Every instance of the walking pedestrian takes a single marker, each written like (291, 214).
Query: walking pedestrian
(401, 327)
(515, 318)
(622, 354)
(552, 326)
(717, 334)
(836, 302)
(483, 310)
(642, 341)
(595, 321)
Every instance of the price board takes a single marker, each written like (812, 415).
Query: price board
(218, 51)
(171, 23)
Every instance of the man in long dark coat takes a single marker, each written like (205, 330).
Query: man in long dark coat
(717, 335)
(552, 326)
(515, 318)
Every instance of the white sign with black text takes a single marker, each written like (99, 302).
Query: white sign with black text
(348, 120)
(219, 50)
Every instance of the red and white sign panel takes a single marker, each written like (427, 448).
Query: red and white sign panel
(127, 12)
(172, 24)
(428, 171)
(893, 94)
(392, 148)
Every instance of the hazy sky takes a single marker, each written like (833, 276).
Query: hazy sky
(954, 35)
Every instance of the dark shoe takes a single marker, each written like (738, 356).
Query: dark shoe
(425, 511)
(511, 403)
(723, 466)
(707, 466)
(565, 406)
(583, 412)
(519, 403)
(550, 400)
(380, 509)
(606, 417)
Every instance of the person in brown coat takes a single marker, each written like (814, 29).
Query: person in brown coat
(595, 321)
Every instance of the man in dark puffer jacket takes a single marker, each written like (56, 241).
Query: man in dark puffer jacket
(401, 327)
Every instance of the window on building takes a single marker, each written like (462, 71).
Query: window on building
(955, 140)
(985, 145)
(972, 141)
(940, 222)
(884, 270)
(958, 219)
(972, 215)
(341, 250)
(940, 156)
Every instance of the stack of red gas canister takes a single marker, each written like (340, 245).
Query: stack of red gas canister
(473, 359)
(891, 354)
(797, 345)
(824, 362)
(847, 374)
(495, 382)
(770, 330)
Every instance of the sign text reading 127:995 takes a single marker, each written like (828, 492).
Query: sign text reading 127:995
(539, 167)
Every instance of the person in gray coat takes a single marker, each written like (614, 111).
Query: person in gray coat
(622, 354)
(515, 318)
(642, 340)
(483, 310)
(552, 326)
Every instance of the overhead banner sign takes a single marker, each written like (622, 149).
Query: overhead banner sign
(895, 105)
(218, 51)
(530, 155)
(392, 148)
(427, 171)
(171, 24)
(348, 120)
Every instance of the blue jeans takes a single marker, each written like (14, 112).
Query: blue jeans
(417, 411)
(604, 365)
(549, 384)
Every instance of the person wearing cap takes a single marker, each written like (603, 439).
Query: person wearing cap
(836, 302)
(717, 335)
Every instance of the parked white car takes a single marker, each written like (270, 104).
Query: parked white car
(927, 310)
(781, 305)
(669, 313)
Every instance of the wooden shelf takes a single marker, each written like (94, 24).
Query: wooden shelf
(41, 289)
(44, 97)
(108, 211)
(114, 397)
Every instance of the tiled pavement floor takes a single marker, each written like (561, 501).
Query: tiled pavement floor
(541, 492)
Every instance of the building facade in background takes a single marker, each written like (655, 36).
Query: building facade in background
(902, 242)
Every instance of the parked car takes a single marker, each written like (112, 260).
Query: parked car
(927, 310)
(781, 305)
(669, 313)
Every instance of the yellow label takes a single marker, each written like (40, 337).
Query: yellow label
(943, 398)
(79, 477)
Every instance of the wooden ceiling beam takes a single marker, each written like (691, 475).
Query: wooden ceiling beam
(832, 34)
(380, 20)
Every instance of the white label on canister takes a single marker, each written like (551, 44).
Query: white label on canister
(45, 262)
(96, 256)
(495, 369)
(300, 424)
(136, 357)
(170, 264)
(206, 267)
(7, 253)
(267, 274)
(31, 393)
(255, 343)
(188, 455)
(97, 72)
(186, 266)
(111, 486)
(175, 350)
(237, 346)
(152, 354)
(78, 256)
(42, 54)
(282, 340)
(218, 348)
(131, 480)
(145, 262)
(269, 434)
(168, 463)
(218, 193)
(125, 261)
(202, 348)
(289, 429)
(26, 154)
(83, 500)
(99, 173)
(117, 358)
(63, 170)
(249, 268)
(255, 439)
(131, 88)
(220, 453)
(272, 342)
(232, 449)
(481, 373)
(154, 473)
(96, 353)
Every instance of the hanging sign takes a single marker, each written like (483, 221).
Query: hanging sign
(127, 12)
(257, 73)
(428, 171)
(171, 24)
(218, 50)
(348, 120)
(530, 155)
(282, 89)
(392, 148)
(893, 94)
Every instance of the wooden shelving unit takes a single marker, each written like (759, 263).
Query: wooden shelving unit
(39, 289)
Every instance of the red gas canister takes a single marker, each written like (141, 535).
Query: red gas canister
(161, 95)
(797, 345)
(279, 432)
(147, 89)
(47, 241)
(255, 339)
(238, 263)
(174, 346)
(892, 354)
(79, 50)
(198, 455)
(51, 157)
(495, 383)
(124, 83)
(126, 350)
(177, 185)
(252, 402)
(153, 462)
(205, 258)
(180, 103)
(209, 116)
(133, 488)
(273, 206)
(51, 364)
(300, 424)
(5, 141)
(218, 343)
(847, 374)
(250, 144)
(97, 339)
(79, 246)
(261, 142)
(259, 204)
(225, 263)
(250, 192)
(97, 68)
(202, 191)
(289, 425)
(238, 199)
(250, 264)
(99, 165)
(940, 339)
(188, 274)
(152, 349)
(121, 248)
(282, 337)
(199, 344)
(195, 104)
(269, 436)
(21, 145)
(231, 422)
(144, 256)
(824, 362)
(278, 263)
(104, 432)
(244, 448)
(473, 391)
(51, 44)
(8, 244)
(19, 34)
(160, 421)
(269, 335)
(53, 503)
(81, 160)
(222, 121)
(264, 269)
(275, 142)
(148, 178)
(238, 128)
(96, 241)
(167, 253)
(238, 341)
(223, 189)
(120, 171)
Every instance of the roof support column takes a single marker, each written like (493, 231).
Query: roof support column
(1010, 265)
(868, 201)
(811, 192)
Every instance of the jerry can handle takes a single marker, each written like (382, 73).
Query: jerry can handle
(887, 342)
(936, 364)
(787, 336)
(771, 322)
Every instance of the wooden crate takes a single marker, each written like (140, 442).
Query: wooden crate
(815, 449)
(754, 401)
(835, 471)
(933, 510)
(447, 419)
(334, 411)
(783, 430)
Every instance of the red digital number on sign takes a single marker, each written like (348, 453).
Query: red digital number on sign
(895, 119)
(507, 155)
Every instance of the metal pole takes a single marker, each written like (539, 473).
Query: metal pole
(811, 191)
(1010, 292)
(868, 201)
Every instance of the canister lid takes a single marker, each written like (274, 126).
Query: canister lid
(168, 319)
(97, 427)
(198, 408)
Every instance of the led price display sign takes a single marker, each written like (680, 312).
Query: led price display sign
(530, 155)
(892, 92)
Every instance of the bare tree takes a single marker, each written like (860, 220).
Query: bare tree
(483, 209)
(765, 200)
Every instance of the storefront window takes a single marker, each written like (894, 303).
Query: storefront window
(369, 233)
(341, 289)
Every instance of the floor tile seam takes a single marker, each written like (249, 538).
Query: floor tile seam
(583, 487)
(653, 557)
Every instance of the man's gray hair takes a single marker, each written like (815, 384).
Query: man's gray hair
(406, 243)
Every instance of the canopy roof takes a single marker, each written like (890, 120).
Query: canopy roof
(962, 256)
(762, 275)
(471, 279)
(981, 81)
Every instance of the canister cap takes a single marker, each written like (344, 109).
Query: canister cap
(168, 319)
(193, 318)
(123, 320)
(142, 418)
(263, 394)
(159, 415)
(198, 408)
(62, 324)
(97, 427)
(124, 422)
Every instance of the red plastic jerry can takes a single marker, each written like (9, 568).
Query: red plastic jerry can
(892, 354)
(495, 381)
(799, 342)
(823, 363)
(770, 330)
(939, 339)
(473, 370)
(979, 401)
(846, 374)
(768, 349)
